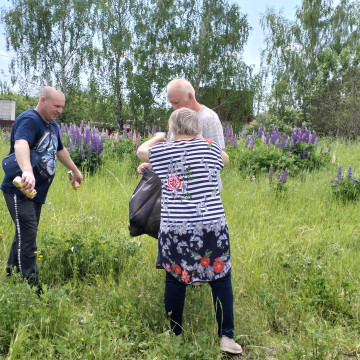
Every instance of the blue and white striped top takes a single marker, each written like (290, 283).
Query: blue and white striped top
(188, 170)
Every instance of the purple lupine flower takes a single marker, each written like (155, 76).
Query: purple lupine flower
(271, 172)
(332, 180)
(78, 137)
(339, 171)
(259, 132)
(314, 137)
(247, 141)
(82, 154)
(299, 157)
(267, 138)
(285, 175)
(69, 140)
(304, 153)
(252, 143)
(354, 181)
(90, 150)
(306, 135)
(350, 172)
(235, 144)
(337, 181)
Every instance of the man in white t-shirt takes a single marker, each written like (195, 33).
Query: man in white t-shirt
(182, 94)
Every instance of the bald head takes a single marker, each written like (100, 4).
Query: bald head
(182, 94)
(49, 91)
(51, 103)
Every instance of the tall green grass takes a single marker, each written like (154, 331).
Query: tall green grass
(295, 258)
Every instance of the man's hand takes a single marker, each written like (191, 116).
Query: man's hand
(28, 180)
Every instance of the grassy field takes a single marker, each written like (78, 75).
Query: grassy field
(296, 274)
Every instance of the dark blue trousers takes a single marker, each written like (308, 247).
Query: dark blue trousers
(223, 300)
(25, 215)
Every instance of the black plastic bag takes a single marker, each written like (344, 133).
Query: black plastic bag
(145, 205)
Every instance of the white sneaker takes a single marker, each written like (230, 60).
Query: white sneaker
(229, 345)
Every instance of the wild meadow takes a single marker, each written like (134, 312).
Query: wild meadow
(295, 244)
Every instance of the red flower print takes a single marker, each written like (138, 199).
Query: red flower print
(218, 266)
(209, 141)
(167, 267)
(205, 261)
(185, 277)
(174, 182)
(177, 269)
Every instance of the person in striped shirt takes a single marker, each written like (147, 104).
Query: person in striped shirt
(194, 244)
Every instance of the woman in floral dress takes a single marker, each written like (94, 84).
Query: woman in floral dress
(194, 236)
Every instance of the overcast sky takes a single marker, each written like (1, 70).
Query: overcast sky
(253, 9)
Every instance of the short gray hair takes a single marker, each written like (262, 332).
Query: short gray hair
(185, 121)
(181, 85)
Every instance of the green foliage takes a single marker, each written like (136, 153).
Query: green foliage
(286, 123)
(295, 281)
(262, 156)
(121, 150)
(53, 42)
(87, 164)
(233, 106)
(314, 65)
(345, 188)
(70, 255)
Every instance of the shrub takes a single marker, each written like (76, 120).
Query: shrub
(72, 255)
(85, 145)
(345, 188)
(264, 149)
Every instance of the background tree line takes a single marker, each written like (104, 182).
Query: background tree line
(113, 59)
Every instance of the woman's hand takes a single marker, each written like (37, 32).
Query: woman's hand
(160, 137)
(143, 150)
(140, 168)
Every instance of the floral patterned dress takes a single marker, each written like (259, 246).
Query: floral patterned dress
(193, 240)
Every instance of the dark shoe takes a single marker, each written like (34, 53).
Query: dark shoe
(8, 271)
(39, 291)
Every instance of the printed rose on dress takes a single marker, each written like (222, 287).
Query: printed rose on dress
(177, 269)
(174, 182)
(205, 261)
(185, 277)
(209, 141)
(218, 266)
(167, 267)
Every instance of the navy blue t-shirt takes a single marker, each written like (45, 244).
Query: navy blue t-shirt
(31, 127)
